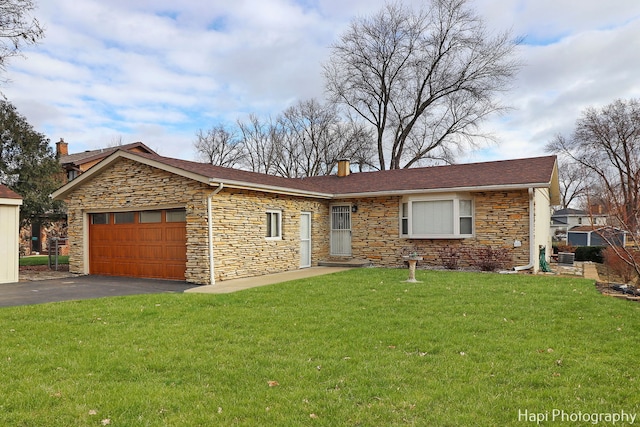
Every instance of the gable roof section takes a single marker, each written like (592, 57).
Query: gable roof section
(539, 172)
(570, 212)
(91, 155)
(575, 212)
(9, 197)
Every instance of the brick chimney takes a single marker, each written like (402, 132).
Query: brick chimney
(344, 167)
(62, 148)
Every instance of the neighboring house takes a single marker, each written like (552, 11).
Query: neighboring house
(565, 219)
(34, 238)
(9, 242)
(596, 235)
(78, 163)
(149, 216)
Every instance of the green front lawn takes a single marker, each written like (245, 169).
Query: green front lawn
(359, 348)
(42, 260)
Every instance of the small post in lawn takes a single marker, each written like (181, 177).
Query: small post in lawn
(53, 240)
(413, 261)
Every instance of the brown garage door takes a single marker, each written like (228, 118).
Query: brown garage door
(138, 244)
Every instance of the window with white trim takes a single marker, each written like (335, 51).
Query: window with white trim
(437, 217)
(274, 224)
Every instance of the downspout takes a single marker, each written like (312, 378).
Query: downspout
(212, 279)
(532, 243)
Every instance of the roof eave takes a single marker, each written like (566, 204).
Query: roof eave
(10, 201)
(554, 186)
(240, 185)
(468, 189)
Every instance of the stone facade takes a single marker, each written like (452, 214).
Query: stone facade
(239, 229)
(240, 246)
(501, 218)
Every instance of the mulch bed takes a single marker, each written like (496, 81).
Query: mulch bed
(614, 285)
(619, 290)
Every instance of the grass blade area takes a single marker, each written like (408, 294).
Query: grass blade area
(42, 260)
(360, 347)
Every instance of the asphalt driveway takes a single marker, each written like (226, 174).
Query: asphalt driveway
(83, 287)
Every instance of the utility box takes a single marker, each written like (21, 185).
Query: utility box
(566, 258)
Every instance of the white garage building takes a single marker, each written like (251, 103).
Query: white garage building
(9, 234)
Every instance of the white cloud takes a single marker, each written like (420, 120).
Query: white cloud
(159, 70)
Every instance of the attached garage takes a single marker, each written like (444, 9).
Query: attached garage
(145, 243)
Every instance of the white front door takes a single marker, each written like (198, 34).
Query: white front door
(341, 230)
(305, 239)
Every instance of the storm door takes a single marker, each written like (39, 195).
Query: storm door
(305, 239)
(341, 230)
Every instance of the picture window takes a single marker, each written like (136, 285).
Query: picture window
(447, 217)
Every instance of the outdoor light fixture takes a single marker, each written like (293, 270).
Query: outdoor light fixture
(354, 208)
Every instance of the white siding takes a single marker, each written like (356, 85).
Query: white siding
(542, 233)
(9, 240)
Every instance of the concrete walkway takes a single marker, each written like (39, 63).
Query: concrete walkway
(590, 271)
(228, 286)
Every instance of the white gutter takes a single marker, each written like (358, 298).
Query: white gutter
(439, 190)
(532, 243)
(241, 185)
(212, 279)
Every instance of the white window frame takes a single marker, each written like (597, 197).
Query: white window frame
(269, 215)
(406, 215)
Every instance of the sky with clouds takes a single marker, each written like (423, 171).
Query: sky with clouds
(157, 71)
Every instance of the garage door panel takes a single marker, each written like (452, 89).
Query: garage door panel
(102, 252)
(176, 234)
(176, 253)
(151, 234)
(124, 234)
(154, 250)
(123, 251)
(100, 233)
(150, 253)
(153, 270)
(175, 270)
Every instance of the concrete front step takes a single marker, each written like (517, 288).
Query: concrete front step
(349, 263)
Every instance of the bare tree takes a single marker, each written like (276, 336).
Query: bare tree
(116, 141)
(575, 182)
(260, 152)
(219, 146)
(355, 144)
(307, 139)
(311, 138)
(17, 28)
(424, 80)
(606, 141)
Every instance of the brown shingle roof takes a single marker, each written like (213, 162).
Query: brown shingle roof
(7, 193)
(520, 172)
(90, 155)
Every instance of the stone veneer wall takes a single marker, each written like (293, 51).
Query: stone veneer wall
(239, 221)
(501, 218)
(239, 229)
